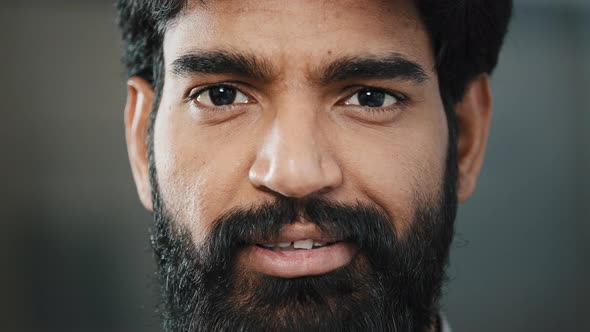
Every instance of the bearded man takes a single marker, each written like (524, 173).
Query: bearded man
(304, 159)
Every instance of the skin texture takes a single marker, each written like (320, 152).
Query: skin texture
(295, 137)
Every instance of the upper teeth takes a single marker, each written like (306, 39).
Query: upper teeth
(300, 244)
(303, 244)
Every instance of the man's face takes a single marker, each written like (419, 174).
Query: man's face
(283, 122)
(291, 133)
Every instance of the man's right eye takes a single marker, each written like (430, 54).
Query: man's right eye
(219, 95)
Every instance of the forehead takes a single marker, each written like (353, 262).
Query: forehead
(300, 33)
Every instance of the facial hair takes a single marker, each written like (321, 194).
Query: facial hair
(392, 284)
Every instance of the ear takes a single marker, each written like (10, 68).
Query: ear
(474, 113)
(140, 96)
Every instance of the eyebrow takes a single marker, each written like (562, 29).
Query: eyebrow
(221, 62)
(391, 66)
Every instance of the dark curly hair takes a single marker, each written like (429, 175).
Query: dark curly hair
(466, 35)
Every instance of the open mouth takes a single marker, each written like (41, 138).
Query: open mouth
(300, 249)
(307, 244)
(297, 259)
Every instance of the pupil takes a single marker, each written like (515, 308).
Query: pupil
(222, 95)
(371, 98)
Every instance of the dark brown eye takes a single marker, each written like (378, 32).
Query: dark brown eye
(221, 95)
(370, 97)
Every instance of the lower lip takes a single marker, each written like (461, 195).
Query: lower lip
(298, 263)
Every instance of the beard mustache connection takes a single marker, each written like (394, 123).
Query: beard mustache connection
(392, 284)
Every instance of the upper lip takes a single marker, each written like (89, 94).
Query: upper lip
(301, 231)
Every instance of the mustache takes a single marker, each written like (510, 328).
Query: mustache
(394, 279)
(365, 225)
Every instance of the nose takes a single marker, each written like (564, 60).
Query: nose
(294, 160)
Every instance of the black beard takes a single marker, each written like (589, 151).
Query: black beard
(393, 284)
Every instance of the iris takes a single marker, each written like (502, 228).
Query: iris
(222, 95)
(371, 97)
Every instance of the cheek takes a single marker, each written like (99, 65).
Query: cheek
(402, 166)
(200, 172)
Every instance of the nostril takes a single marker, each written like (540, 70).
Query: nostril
(294, 167)
(297, 186)
(332, 174)
(259, 173)
(254, 176)
(293, 177)
(295, 192)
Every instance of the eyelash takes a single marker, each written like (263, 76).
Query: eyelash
(402, 100)
(192, 96)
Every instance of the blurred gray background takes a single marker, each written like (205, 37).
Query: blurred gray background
(74, 239)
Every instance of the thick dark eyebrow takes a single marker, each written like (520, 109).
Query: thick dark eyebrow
(221, 62)
(393, 66)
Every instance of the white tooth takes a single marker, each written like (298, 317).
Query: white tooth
(268, 245)
(303, 244)
(284, 244)
(319, 244)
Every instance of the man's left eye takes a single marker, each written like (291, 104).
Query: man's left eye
(370, 97)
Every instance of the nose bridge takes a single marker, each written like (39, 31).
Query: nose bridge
(294, 160)
(296, 142)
